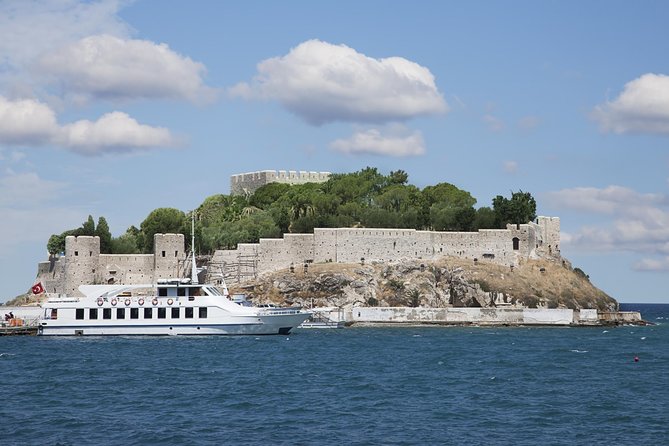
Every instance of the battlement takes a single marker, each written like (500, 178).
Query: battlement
(248, 183)
(83, 263)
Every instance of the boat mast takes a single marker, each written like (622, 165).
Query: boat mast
(192, 248)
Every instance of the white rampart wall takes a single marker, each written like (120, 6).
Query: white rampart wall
(496, 316)
(352, 245)
(83, 262)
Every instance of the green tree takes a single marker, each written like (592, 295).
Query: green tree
(446, 193)
(125, 244)
(88, 227)
(102, 231)
(56, 243)
(485, 218)
(162, 221)
(520, 209)
(398, 177)
(265, 195)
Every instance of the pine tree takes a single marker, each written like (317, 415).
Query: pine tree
(102, 231)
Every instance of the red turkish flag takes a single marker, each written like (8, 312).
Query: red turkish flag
(38, 288)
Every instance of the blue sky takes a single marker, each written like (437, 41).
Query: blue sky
(115, 108)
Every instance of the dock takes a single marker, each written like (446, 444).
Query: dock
(18, 331)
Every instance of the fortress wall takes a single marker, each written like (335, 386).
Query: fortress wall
(222, 256)
(169, 252)
(81, 264)
(51, 277)
(126, 268)
(247, 183)
(548, 228)
(374, 244)
(325, 245)
(276, 254)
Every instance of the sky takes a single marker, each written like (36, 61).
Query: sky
(114, 108)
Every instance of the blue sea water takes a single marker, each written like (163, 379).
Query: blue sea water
(363, 386)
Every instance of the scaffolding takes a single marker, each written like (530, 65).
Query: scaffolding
(243, 268)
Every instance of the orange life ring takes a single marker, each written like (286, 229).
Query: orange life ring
(114, 301)
(140, 301)
(170, 301)
(155, 301)
(127, 302)
(100, 301)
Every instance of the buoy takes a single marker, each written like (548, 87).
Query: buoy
(636, 359)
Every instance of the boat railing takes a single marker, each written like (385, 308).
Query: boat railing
(278, 311)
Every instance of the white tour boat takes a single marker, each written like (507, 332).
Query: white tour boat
(170, 307)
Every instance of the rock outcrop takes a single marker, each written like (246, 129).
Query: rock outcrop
(449, 282)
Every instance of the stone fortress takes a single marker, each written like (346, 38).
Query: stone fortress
(82, 262)
(248, 183)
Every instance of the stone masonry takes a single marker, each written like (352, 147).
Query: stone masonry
(248, 183)
(83, 263)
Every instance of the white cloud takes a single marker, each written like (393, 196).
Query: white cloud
(26, 121)
(104, 66)
(642, 107)
(638, 222)
(655, 265)
(30, 122)
(321, 83)
(393, 141)
(30, 28)
(113, 132)
(494, 124)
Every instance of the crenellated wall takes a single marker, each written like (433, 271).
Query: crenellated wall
(83, 262)
(352, 245)
(247, 183)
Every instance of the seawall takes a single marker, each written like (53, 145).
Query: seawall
(489, 316)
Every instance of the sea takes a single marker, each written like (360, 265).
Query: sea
(358, 385)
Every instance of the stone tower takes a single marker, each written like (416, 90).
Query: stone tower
(169, 256)
(549, 230)
(82, 261)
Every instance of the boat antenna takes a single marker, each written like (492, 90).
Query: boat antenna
(192, 248)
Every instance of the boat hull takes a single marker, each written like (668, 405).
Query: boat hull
(263, 325)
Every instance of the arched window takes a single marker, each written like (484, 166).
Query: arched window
(516, 243)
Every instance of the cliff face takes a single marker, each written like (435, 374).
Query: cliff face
(449, 282)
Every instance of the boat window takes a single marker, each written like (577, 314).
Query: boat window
(148, 313)
(189, 312)
(106, 313)
(162, 291)
(175, 313)
(191, 298)
(120, 313)
(79, 313)
(181, 291)
(203, 313)
(54, 313)
(134, 313)
(162, 313)
(93, 313)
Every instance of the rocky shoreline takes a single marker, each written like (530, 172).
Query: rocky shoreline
(447, 283)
